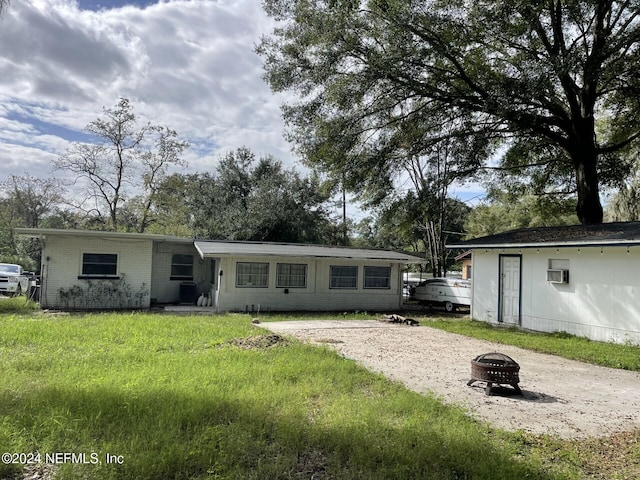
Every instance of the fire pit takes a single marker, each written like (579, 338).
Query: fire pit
(495, 368)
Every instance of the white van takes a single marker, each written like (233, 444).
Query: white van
(447, 292)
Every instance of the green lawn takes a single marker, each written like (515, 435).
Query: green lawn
(199, 397)
(624, 356)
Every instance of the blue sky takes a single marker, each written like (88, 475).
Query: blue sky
(185, 64)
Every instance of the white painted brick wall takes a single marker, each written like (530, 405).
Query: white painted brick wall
(601, 300)
(62, 264)
(316, 297)
(165, 290)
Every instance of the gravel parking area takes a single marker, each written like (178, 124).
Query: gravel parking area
(561, 397)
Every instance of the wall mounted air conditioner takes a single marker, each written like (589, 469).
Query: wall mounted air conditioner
(557, 276)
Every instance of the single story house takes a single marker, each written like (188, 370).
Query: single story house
(583, 280)
(84, 269)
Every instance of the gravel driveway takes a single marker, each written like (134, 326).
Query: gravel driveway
(561, 397)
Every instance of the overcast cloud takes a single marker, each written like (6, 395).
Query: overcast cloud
(188, 65)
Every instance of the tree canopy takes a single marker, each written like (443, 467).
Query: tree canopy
(553, 84)
(26, 201)
(503, 211)
(249, 198)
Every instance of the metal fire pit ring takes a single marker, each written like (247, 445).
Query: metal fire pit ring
(495, 368)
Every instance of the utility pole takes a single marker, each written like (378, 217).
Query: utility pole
(344, 214)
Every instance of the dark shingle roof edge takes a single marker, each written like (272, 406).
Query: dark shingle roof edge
(618, 233)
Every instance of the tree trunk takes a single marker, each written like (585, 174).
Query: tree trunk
(589, 208)
(585, 160)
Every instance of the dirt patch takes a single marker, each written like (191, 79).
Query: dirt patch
(560, 397)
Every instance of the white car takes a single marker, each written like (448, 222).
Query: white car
(12, 280)
(446, 292)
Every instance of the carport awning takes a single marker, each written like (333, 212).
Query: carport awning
(227, 249)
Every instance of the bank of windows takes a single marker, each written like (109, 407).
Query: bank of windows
(99, 265)
(181, 266)
(294, 275)
(346, 277)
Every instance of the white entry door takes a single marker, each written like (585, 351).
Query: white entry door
(510, 289)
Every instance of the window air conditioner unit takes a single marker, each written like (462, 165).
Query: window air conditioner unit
(557, 276)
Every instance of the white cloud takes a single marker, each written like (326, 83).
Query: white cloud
(189, 65)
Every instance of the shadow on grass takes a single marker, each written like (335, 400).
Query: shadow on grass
(168, 434)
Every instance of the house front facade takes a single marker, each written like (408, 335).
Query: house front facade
(583, 280)
(97, 270)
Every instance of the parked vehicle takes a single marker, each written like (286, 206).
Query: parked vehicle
(13, 281)
(445, 292)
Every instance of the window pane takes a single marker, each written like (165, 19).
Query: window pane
(183, 258)
(344, 277)
(252, 274)
(182, 266)
(377, 277)
(291, 275)
(181, 271)
(99, 264)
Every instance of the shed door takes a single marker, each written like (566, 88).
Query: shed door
(510, 289)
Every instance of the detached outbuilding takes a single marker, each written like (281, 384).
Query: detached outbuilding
(84, 269)
(583, 280)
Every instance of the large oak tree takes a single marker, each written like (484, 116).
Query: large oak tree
(552, 82)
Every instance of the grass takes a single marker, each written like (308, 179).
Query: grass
(176, 397)
(623, 356)
(195, 397)
(17, 305)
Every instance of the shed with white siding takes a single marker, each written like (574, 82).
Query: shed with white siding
(84, 269)
(583, 280)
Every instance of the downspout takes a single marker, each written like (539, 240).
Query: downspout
(44, 275)
(401, 267)
(218, 287)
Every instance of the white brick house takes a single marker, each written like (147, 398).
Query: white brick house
(84, 269)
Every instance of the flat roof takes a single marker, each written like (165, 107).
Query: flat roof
(215, 248)
(612, 234)
(59, 232)
(218, 248)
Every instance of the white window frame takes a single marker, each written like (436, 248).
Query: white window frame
(174, 276)
(248, 279)
(334, 277)
(377, 277)
(284, 279)
(87, 274)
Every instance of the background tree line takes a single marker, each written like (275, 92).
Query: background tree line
(124, 181)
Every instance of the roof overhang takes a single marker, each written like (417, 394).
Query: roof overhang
(212, 248)
(220, 248)
(577, 244)
(43, 233)
(615, 234)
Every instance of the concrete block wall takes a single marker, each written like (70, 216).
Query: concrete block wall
(62, 265)
(165, 290)
(317, 296)
(600, 302)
